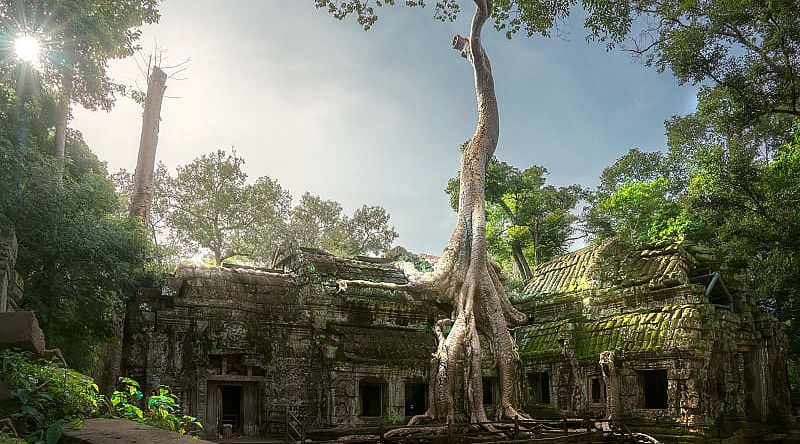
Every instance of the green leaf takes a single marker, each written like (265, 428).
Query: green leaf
(53, 433)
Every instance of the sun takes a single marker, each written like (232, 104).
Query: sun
(27, 48)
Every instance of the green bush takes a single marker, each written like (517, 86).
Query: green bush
(160, 410)
(48, 398)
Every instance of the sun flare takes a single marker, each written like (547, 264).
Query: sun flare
(27, 48)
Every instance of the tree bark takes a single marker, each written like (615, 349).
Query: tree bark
(63, 117)
(142, 196)
(464, 276)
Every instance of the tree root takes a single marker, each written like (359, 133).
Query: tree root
(344, 283)
(7, 423)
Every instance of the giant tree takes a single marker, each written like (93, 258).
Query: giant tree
(463, 275)
(692, 38)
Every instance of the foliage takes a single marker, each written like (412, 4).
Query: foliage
(213, 206)
(79, 37)
(51, 397)
(639, 213)
(319, 223)
(526, 220)
(751, 210)
(166, 247)
(420, 264)
(367, 231)
(160, 409)
(77, 258)
(210, 204)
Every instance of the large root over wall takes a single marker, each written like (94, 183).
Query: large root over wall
(464, 276)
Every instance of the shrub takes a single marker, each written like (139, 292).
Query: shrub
(49, 397)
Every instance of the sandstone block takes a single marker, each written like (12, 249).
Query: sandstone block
(21, 330)
(121, 431)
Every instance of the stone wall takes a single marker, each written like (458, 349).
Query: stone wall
(286, 337)
(692, 351)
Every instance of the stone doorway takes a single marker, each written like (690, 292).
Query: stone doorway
(235, 404)
(231, 411)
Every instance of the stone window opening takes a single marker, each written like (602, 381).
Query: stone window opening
(488, 390)
(539, 384)
(373, 398)
(416, 398)
(597, 390)
(654, 388)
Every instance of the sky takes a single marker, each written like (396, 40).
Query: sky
(378, 117)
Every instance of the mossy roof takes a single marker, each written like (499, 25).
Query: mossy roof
(612, 264)
(656, 330)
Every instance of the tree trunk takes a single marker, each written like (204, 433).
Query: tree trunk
(63, 118)
(522, 263)
(108, 365)
(516, 250)
(148, 143)
(464, 276)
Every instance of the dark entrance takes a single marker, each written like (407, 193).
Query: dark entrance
(539, 384)
(754, 407)
(237, 403)
(488, 391)
(416, 399)
(372, 398)
(654, 384)
(232, 407)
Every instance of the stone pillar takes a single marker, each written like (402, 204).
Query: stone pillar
(611, 380)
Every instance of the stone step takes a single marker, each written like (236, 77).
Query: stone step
(122, 431)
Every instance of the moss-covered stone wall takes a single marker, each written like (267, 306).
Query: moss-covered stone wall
(663, 310)
(289, 333)
(290, 338)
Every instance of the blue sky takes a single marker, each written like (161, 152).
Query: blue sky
(378, 117)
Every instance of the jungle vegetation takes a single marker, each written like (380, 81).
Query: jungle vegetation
(729, 177)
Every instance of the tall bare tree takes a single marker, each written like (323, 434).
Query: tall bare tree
(148, 143)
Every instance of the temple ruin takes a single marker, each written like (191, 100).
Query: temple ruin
(689, 350)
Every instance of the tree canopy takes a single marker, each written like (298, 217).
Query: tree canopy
(79, 37)
(210, 204)
(77, 256)
(527, 222)
(213, 207)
